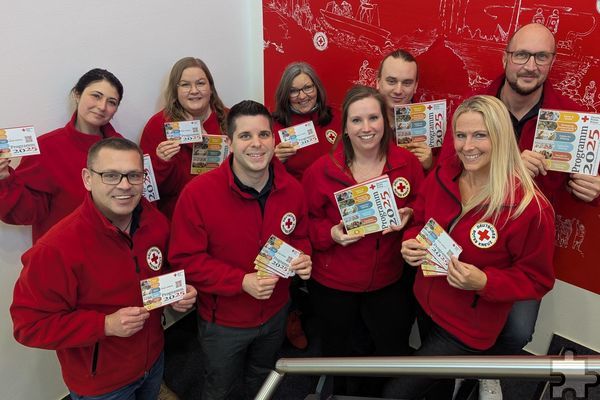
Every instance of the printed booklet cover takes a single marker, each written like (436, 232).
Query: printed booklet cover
(275, 258)
(209, 153)
(18, 142)
(185, 131)
(421, 122)
(440, 248)
(300, 135)
(164, 289)
(150, 189)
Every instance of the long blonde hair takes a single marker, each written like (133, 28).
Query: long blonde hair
(507, 171)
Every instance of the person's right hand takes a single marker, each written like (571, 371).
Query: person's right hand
(167, 149)
(125, 322)
(259, 288)
(341, 238)
(413, 252)
(4, 172)
(534, 162)
(285, 150)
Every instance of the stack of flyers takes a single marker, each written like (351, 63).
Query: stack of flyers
(300, 135)
(568, 140)
(164, 289)
(185, 131)
(150, 188)
(368, 207)
(275, 258)
(440, 248)
(421, 122)
(18, 142)
(209, 153)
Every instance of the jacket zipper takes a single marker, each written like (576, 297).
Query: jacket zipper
(95, 358)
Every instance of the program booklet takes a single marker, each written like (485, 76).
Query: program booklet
(275, 258)
(421, 122)
(440, 248)
(185, 131)
(209, 153)
(18, 142)
(161, 290)
(570, 141)
(150, 188)
(368, 207)
(300, 135)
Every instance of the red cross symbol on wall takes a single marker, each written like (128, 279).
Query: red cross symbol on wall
(154, 258)
(288, 223)
(321, 41)
(585, 118)
(483, 235)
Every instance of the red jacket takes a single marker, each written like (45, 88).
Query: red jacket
(217, 232)
(83, 269)
(375, 260)
(518, 265)
(172, 175)
(46, 187)
(304, 157)
(553, 182)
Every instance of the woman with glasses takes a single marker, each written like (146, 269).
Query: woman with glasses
(301, 97)
(190, 95)
(45, 188)
(356, 286)
(486, 200)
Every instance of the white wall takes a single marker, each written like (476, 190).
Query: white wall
(47, 46)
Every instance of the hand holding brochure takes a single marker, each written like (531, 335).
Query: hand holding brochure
(275, 258)
(300, 135)
(440, 248)
(164, 289)
(18, 142)
(185, 131)
(568, 140)
(368, 207)
(421, 122)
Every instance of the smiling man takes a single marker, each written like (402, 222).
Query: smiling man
(79, 291)
(221, 221)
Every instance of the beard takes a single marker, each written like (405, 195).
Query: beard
(513, 83)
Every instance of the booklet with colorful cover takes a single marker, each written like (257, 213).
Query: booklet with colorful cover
(441, 247)
(368, 207)
(569, 140)
(161, 290)
(209, 153)
(150, 188)
(300, 135)
(275, 258)
(18, 142)
(421, 122)
(185, 131)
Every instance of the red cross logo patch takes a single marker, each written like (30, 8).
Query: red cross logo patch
(401, 187)
(330, 135)
(484, 235)
(154, 258)
(288, 223)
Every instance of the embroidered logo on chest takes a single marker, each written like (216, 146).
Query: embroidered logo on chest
(288, 223)
(484, 235)
(401, 187)
(154, 258)
(330, 135)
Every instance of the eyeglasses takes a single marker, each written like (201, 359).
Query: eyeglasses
(307, 90)
(114, 178)
(522, 57)
(187, 86)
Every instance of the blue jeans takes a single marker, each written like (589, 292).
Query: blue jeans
(145, 388)
(518, 329)
(239, 355)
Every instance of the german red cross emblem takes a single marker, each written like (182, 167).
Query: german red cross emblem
(154, 258)
(484, 235)
(288, 223)
(401, 187)
(330, 135)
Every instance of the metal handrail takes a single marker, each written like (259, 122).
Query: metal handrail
(540, 367)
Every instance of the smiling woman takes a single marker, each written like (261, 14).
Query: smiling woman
(45, 188)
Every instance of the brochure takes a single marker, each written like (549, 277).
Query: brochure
(18, 142)
(421, 122)
(164, 289)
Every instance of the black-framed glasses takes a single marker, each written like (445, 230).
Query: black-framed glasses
(114, 178)
(521, 57)
(307, 90)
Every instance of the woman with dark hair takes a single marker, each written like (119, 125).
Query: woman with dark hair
(301, 97)
(356, 288)
(46, 187)
(190, 95)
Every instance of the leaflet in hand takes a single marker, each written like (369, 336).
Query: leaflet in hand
(185, 131)
(440, 248)
(368, 207)
(421, 122)
(209, 153)
(570, 141)
(164, 289)
(150, 188)
(300, 135)
(275, 258)
(18, 142)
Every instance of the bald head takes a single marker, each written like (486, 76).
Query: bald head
(533, 35)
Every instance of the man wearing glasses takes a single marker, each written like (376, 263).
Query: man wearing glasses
(79, 291)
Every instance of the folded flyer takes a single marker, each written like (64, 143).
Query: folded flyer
(421, 122)
(441, 247)
(150, 188)
(18, 142)
(162, 290)
(185, 131)
(275, 258)
(300, 135)
(209, 153)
